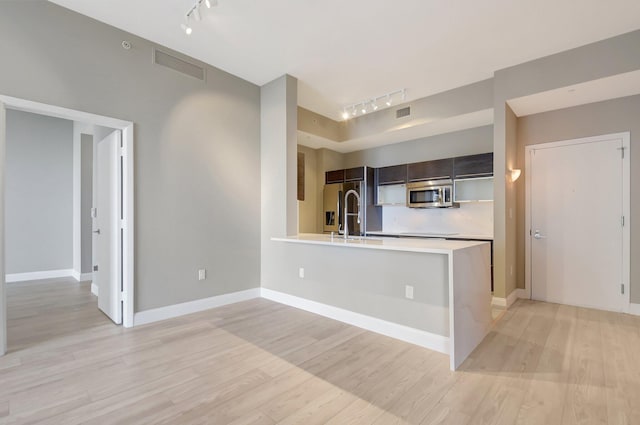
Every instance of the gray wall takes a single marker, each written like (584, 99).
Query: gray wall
(197, 145)
(278, 167)
(465, 142)
(367, 281)
(613, 116)
(86, 201)
(605, 58)
(38, 193)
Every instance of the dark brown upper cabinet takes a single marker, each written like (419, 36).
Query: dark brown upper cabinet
(396, 174)
(335, 176)
(354, 174)
(467, 167)
(439, 169)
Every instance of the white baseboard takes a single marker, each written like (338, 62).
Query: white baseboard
(175, 310)
(511, 298)
(404, 333)
(94, 289)
(499, 302)
(634, 309)
(48, 274)
(522, 293)
(81, 277)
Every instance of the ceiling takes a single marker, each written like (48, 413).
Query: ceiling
(621, 85)
(344, 52)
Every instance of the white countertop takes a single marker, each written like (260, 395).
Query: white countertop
(433, 235)
(433, 246)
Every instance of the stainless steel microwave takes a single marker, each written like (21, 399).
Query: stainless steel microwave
(430, 194)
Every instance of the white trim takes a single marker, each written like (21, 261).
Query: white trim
(499, 302)
(81, 277)
(626, 208)
(175, 310)
(127, 224)
(128, 184)
(46, 274)
(94, 289)
(511, 298)
(634, 309)
(522, 293)
(404, 333)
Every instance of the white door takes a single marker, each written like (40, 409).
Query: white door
(3, 294)
(576, 209)
(106, 229)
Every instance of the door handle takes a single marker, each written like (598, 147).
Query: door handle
(97, 232)
(537, 235)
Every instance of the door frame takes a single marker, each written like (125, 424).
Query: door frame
(127, 224)
(626, 208)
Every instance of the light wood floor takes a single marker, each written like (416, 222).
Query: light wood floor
(259, 362)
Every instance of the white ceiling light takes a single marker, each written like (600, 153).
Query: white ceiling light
(186, 28)
(194, 12)
(373, 104)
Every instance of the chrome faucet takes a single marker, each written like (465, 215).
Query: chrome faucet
(347, 213)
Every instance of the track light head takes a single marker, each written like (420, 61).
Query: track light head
(186, 28)
(345, 114)
(207, 3)
(364, 109)
(374, 105)
(388, 102)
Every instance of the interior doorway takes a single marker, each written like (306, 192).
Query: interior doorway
(115, 178)
(577, 210)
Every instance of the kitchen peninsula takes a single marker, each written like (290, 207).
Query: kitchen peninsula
(430, 292)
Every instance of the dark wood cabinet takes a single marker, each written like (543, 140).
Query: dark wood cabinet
(439, 169)
(396, 174)
(354, 174)
(335, 176)
(473, 166)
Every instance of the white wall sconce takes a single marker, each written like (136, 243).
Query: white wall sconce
(514, 174)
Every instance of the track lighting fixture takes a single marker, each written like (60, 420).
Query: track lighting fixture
(186, 28)
(373, 104)
(195, 13)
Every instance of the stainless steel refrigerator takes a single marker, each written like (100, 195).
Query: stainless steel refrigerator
(333, 208)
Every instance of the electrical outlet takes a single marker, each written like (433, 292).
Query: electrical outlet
(301, 272)
(408, 291)
(202, 274)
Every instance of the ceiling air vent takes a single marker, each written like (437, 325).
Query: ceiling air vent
(177, 64)
(404, 112)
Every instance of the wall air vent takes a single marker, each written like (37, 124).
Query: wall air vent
(177, 64)
(404, 112)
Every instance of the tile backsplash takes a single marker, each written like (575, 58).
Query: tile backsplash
(473, 218)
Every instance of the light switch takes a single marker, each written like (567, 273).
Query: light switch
(202, 274)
